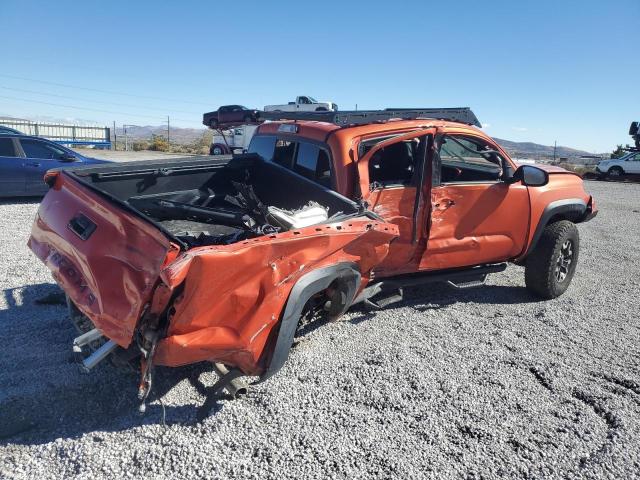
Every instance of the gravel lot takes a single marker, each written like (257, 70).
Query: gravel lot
(478, 383)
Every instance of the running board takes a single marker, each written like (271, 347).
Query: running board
(459, 278)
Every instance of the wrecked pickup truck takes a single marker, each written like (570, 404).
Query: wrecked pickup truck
(219, 259)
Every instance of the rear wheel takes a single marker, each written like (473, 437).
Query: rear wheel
(213, 123)
(615, 172)
(549, 269)
(216, 150)
(247, 119)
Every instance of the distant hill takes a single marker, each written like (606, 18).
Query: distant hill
(530, 149)
(189, 135)
(178, 135)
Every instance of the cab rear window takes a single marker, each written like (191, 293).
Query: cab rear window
(305, 158)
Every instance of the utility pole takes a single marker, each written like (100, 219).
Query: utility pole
(555, 146)
(115, 137)
(168, 128)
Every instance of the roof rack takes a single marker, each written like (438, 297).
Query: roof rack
(362, 117)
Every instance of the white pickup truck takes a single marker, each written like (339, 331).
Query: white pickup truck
(303, 103)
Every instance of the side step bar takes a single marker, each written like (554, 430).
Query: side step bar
(100, 354)
(459, 278)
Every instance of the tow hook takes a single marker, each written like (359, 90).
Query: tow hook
(147, 369)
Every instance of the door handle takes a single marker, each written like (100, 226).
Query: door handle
(33, 164)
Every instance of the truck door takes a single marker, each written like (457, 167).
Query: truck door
(476, 217)
(302, 103)
(394, 176)
(11, 169)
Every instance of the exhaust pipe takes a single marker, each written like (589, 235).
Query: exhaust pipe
(86, 338)
(236, 387)
(100, 354)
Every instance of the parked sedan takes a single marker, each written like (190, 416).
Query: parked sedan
(25, 159)
(229, 115)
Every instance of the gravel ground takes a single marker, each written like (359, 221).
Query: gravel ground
(477, 383)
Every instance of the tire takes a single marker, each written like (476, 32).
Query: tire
(321, 109)
(247, 119)
(549, 269)
(216, 150)
(615, 172)
(213, 123)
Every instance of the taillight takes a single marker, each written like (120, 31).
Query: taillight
(50, 178)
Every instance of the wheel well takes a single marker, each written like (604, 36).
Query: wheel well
(572, 209)
(315, 282)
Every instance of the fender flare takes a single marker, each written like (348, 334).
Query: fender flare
(574, 209)
(307, 286)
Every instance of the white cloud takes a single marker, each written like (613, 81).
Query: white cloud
(520, 129)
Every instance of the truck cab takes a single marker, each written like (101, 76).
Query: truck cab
(455, 195)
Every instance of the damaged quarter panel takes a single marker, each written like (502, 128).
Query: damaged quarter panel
(233, 296)
(111, 273)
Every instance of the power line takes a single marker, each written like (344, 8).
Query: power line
(89, 109)
(96, 101)
(98, 90)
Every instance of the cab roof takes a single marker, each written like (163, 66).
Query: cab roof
(320, 131)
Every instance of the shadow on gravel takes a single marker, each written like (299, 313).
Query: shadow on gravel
(29, 295)
(71, 403)
(436, 296)
(20, 201)
(106, 403)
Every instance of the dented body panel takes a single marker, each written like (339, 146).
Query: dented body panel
(238, 302)
(111, 275)
(233, 296)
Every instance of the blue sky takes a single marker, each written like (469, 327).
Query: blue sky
(532, 71)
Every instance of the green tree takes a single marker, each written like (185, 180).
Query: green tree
(159, 143)
(618, 152)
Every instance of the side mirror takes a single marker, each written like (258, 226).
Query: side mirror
(530, 176)
(67, 157)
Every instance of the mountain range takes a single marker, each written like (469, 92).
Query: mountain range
(190, 135)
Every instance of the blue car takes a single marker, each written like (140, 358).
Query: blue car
(25, 159)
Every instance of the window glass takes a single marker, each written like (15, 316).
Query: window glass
(312, 162)
(466, 159)
(6, 148)
(395, 163)
(263, 145)
(36, 149)
(283, 153)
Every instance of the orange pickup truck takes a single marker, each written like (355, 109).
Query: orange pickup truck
(219, 258)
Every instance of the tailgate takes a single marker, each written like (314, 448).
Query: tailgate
(106, 259)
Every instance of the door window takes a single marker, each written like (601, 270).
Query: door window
(464, 159)
(7, 149)
(36, 149)
(394, 164)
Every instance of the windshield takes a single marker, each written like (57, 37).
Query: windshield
(312, 100)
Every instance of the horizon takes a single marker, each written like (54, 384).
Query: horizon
(530, 73)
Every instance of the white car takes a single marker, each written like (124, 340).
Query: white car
(303, 103)
(234, 140)
(629, 164)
